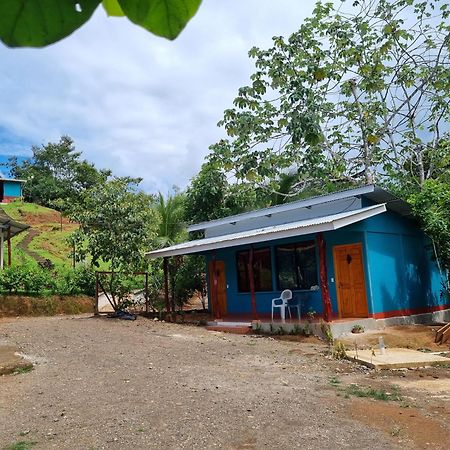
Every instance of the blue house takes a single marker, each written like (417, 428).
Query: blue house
(357, 253)
(10, 189)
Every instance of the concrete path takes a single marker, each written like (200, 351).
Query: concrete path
(396, 358)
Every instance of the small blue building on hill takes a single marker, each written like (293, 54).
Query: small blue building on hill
(10, 189)
(351, 254)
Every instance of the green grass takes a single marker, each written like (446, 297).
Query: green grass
(335, 381)
(51, 243)
(20, 445)
(355, 390)
(18, 255)
(23, 369)
(369, 392)
(15, 208)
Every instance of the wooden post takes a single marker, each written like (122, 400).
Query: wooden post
(326, 301)
(1, 248)
(146, 292)
(215, 290)
(252, 284)
(166, 282)
(9, 246)
(96, 295)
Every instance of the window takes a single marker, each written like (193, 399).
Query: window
(262, 270)
(296, 265)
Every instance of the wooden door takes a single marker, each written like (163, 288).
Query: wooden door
(350, 280)
(221, 287)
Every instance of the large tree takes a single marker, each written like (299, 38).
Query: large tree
(116, 224)
(210, 196)
(56, 172)
(116, 227)
(358, 94)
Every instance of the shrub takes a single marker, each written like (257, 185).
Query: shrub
(35, 280)
(26, 278)
(80, 280)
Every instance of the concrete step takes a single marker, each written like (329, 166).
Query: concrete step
(230, 329)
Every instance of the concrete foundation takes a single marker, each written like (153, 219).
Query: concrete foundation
(338, 328)
(343, 327)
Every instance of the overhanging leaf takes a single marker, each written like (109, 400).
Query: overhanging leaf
(165, 18)
(112, 8)
(37, 23)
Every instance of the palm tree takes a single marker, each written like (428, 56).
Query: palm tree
(170, 219)
(170, 230)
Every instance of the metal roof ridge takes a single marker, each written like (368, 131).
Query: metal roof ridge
(311, 201)
(241, 237)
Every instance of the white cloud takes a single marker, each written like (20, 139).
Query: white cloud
(135, 103)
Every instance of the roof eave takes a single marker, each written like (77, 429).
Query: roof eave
(272, 233)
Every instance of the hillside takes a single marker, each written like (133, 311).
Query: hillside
(45, 239)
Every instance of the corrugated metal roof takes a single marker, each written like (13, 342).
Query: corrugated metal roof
(15, 227)
(371, 192)
(327, 223)
(12, 179)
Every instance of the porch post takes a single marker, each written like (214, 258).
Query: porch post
(326, 301)
(9, 246)
(252, 284)
(146, 292)
(1, 248)
(96, 295)
(214, 290)
(166, 282)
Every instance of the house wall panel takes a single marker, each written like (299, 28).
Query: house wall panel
(12, 189)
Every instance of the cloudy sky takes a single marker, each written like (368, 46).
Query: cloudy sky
(135, 103)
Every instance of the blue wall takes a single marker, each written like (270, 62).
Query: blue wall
(12, 189)
(399, 269)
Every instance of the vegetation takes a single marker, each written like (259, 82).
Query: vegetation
(56, 176)
(355, 96)
(30, 278)
(22, 23)
(116, 225)
(210, 196)
(21, 445)
(432, 206)
(44, 240)
(376, 394)
(365, 392)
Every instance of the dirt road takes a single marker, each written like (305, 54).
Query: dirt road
(107, 384)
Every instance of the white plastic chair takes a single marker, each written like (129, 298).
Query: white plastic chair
(281, 302)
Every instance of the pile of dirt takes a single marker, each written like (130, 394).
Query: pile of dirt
(42, 218)
(17, 305)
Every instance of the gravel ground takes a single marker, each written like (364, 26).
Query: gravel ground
(102, 383)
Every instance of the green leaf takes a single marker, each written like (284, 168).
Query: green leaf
(165, 18)
(37, 23)
(112, 8)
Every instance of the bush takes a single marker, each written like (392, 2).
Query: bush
(80, 280)
(35, 280)
(26, 278)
